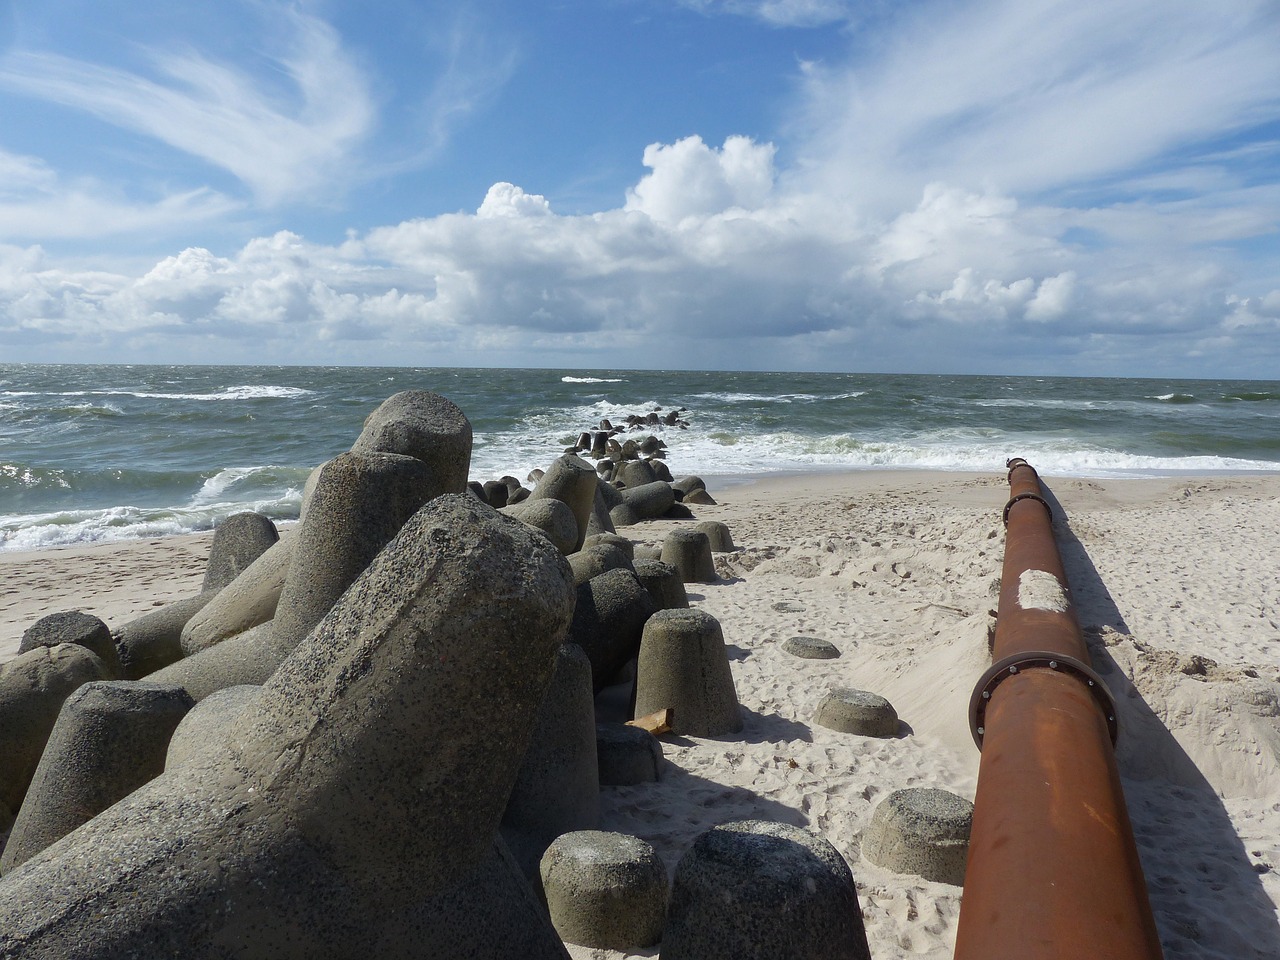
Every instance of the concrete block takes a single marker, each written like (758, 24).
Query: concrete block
(606, 890)
(238, 541)
(73, 626)
(33, 687)
(627, 755)
(921, 830)
(249, 600)
(109, 739)
(608, 622)
(427, 427)
(689, 551)
(753, 890)
(208, 724)
(683, 665)
(558, 787)
(847, 710)
(353, 809)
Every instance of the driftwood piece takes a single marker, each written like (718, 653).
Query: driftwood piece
(657, 722)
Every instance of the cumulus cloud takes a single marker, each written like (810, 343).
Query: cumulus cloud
(732, 269)
(1053, 297)
(508, 200)
(690, 179)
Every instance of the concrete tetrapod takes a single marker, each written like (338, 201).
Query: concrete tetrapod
(73, 626)
(683, 665)
(921, 830)
(571, 480)
(33, 687)
(354, 812)
(718, 535)
(860, 712)
(428, 427)
(608, 622)
(689, 551)
(553, 517)
(238, 541)
(663, 582)
(558, 788)
(591, 561)
(358, 503)
(627, 755)
(110, 738)
(208, 722)
(247, 601)
(754, 890)
(153, 641)
(605, 889)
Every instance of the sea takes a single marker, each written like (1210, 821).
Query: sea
(93, 453)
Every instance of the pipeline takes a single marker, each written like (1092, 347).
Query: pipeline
(1053, 872)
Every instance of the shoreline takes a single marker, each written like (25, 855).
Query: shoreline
(120, 579)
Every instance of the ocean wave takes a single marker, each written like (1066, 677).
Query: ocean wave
(1251, 396)
(230, 393)
(247, 392)
(778, 397)
(70, 527)
(239, 483)
(1173, 397)
(23, 477)
(592, 380)
(1045, 403)
(724, 452)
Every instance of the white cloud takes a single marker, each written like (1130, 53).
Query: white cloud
(508, 200)
(35, 202)
(1254, 315)
(1053, 298)
(1001, 181)
(1033, 95)
(782, 13)
(779, 279)
(691, 179)
(281, 143)
(968, 288)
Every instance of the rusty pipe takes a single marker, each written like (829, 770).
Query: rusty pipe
(1053, 871)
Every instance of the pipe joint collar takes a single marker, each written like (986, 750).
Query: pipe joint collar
(1027, 496)
(1014, 462)
(1003, 669)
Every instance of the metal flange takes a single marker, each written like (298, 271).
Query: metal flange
(1027, 496)
(1010, 666)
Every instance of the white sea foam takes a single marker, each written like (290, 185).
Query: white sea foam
(64, 528)
(592, 380)
(717, 446)
(776, 397)
(230, 393)
(248, 392)
(232, 483)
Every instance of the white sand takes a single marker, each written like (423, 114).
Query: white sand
(1176, 585)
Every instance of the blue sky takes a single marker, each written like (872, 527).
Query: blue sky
(935, 186)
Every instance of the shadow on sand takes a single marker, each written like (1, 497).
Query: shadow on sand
(1191, 853)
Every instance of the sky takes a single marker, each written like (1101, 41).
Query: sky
(920, 186)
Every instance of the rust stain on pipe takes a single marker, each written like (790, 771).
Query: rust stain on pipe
(1053, 872)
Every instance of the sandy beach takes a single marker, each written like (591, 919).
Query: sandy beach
(1175, 583)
